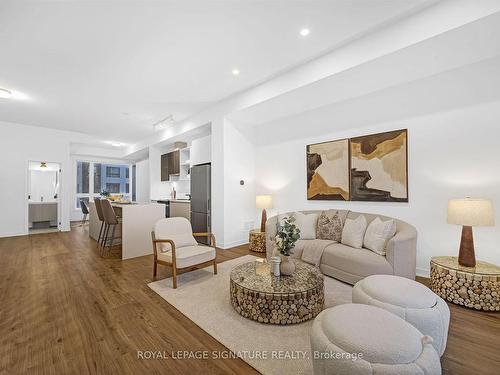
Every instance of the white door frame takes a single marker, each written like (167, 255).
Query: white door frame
(27, 192)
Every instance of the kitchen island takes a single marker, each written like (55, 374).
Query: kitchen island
(138, 220)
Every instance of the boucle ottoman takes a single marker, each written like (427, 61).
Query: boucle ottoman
(410, 300)
(362, 339)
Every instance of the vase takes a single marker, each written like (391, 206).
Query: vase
(287, 267)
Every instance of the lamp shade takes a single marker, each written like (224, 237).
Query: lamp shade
(471, 212)
(264, 201)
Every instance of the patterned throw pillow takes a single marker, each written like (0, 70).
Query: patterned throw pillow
(330, 226)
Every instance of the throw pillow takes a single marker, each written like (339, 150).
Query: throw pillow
(330, 226)
(378, 233)
(306, 225)
(354, 232)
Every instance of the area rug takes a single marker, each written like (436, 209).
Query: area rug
(270, 349)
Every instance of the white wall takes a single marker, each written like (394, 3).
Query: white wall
(239, 200)
(201, 151)
(451, 154)
(18, 145)
(143, 183)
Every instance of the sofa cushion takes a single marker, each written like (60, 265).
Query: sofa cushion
(330, 225)
(362, 262)
(306, 224)
(354, 232)
(378, 233)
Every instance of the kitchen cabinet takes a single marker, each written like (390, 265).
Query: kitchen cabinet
(41, 212)
(164, 167)
(170, 165)
(180, 208)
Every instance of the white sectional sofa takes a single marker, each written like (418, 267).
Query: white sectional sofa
(350, 264)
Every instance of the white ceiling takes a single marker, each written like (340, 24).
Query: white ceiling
(113, 68)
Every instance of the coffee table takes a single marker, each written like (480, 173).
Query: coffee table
(277, 300)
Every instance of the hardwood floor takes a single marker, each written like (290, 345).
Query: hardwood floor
(65, 310)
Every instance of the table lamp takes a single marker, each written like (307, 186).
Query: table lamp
(469, 212)
(263, 202)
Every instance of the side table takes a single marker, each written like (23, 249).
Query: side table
(474, 287)
(257, 241)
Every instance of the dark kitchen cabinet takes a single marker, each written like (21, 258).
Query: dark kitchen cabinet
(170, 165)
(175, 167)
(164, 167)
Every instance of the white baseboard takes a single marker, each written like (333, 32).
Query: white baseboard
(423, 272)
(12, 234)
(233, 244)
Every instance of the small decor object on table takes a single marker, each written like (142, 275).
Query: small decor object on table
(474, 287)
(261, 266)
(287, 234)
(275, 266)
(257, 241)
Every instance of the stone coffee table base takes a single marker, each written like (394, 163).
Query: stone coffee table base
(277, 308)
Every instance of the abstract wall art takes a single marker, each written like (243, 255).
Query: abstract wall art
(328, 170)
(379, 167)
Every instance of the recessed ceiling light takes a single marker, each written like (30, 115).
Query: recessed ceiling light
(5, 94)
(235, 72)
(305, 32)
(116, 144)
(165, 123)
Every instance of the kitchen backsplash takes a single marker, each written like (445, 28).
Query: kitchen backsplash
(165, 188)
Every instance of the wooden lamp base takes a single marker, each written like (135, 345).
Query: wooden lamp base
(466, 255)
(263, 221)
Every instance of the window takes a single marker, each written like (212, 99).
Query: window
(97, 178)
(106, 177)
(113, 187)
(82, 177)
(113, 172)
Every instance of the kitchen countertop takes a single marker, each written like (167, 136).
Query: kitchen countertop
(173, 200)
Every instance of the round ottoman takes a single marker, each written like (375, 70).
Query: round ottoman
(410, 300)
(362, 339)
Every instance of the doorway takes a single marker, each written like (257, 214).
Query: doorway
(43, 197)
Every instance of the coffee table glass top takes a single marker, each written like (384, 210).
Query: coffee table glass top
(305, 277)
(482, 268)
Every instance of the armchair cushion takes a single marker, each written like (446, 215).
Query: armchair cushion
(177, 229)
(189, 256)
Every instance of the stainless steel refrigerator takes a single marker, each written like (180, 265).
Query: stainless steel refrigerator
(201, 200)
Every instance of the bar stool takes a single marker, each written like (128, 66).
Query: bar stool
(85, 211)
(100, 215)
(110, 219)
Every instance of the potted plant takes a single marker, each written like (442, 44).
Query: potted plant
(287, 235)
(105, 194)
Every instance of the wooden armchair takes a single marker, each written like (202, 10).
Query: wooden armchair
(175, 246)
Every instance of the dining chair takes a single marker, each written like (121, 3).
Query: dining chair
(100, 216)
(85, 211)
(110, 220)
(175, 246)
